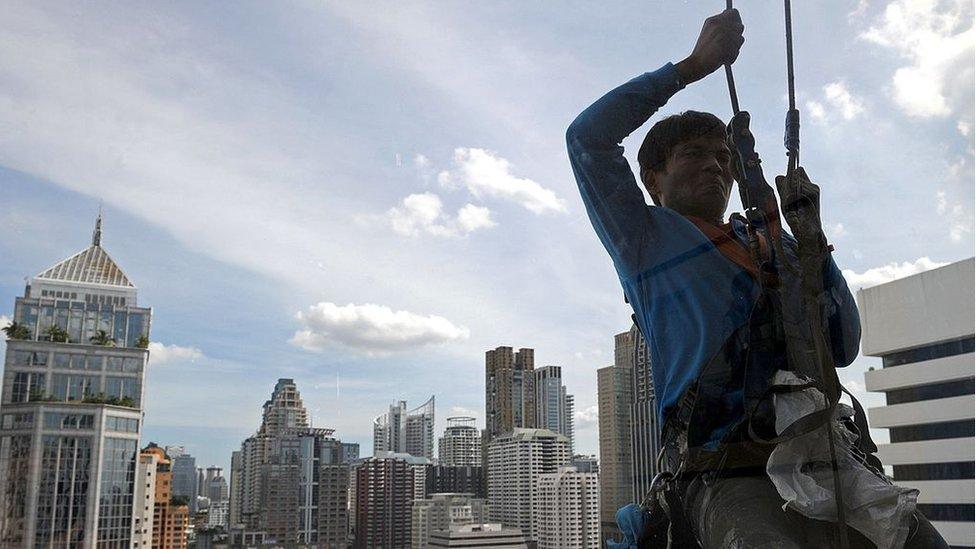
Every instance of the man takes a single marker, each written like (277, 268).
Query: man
(695, 289)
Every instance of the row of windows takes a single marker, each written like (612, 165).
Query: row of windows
(61, 420)
(933, 431)
(20, 420)
(82, 321)
(929, 352)
(931, 392)
(30, 386)
(89, 298)
(948, 511)
(117, 487)
(77, 361)
(15, 462)
(934, 471)
(122, 424)
(62, 500)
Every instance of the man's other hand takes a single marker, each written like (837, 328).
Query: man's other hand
(718, 44)
(800, 201)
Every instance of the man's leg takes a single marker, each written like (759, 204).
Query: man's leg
(924, 535)
(741, 513)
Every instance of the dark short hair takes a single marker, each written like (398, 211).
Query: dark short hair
(669, 132)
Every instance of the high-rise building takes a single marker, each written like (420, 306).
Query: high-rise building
(216, 489)
(474, 536)
(144, 502)
(515, 461)
(457, 479)
(509, 391)
(554, 408)
(385, 491)
(71, 399)
(184, 476)
(585, 464)
(922, 328)
(566, 510)
(217, 514)
(644, 438)
(461, 443)
(236, 480)
(615, 395)
(442, 512)
(405, 431)
(170, 519)
(291, 477)
(350, 452)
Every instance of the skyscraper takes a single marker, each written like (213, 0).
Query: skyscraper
(461, 443)
(644, 438)
(405, 431)
(71, 399)
(456, 479)
(292, 480)
(385, 491)
(509, 391)
(554, 408)
(566, 510)
(170, 517)
(144, 501)
(922, 328)
(515, 461)
(441, 512)
(184, 477)
(615, 401)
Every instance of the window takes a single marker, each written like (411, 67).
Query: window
(24, 420)
(61, 420)
(67, 387)
(929, 352)
(121, 424)
(132, 365)
(27, 386)
(113, 364)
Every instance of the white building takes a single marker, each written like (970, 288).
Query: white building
(473, 536)
(515, 461)
(922, 328)
(217, 515)
(71, 404)
(405, 431)
(553, 406)
(442, 512)
(144, 501)
(461, 444)
(566, 510)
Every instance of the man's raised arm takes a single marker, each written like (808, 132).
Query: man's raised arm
(609, 189)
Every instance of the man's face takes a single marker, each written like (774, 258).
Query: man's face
(697, 178)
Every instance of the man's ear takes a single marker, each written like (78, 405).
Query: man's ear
(650, 180)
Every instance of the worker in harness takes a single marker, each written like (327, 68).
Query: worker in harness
(715, 337)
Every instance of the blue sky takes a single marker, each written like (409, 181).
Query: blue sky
(367, 197)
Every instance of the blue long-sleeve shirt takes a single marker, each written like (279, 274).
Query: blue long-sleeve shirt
(689, 300)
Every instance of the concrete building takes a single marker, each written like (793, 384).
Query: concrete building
(71, 402)
(170, 520)
(236, 480)
(615, 394)
(515, 461)
(184, 476)
(217, 514)
(566, 510)
(385, 491)
(922, 327)
(644, 435)
(509, 391)
(405, 431)
(144, 502)
(457, 479)
(554, 407)
(479, 536)
(350, 452)
(292, 481)
(461, 443)
(441, 512)
(585, 464)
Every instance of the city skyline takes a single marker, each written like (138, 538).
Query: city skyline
(279, 207)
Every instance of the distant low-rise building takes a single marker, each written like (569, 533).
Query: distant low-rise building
(441, 512)
(171, 518)
(479, 536)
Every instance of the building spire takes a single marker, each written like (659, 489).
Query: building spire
(97, 234)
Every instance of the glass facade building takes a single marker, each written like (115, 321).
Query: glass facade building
(70, 406)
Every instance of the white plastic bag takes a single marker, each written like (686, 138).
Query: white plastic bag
(800, 469)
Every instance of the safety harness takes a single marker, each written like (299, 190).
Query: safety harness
(775, 330)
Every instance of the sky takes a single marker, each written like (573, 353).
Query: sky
(366, 197)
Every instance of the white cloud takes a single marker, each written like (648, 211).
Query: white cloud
(959, 223)
(841, 99)
(5, 320)
(854, 386)
(487, 175)
(936, 38)
(461, 411)
(836, 230)
(889, 272)
(964, 127)
(424, 213)
(816, 112)
(586, 416)
(160, 353)
(421, 161)
(371, 328)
